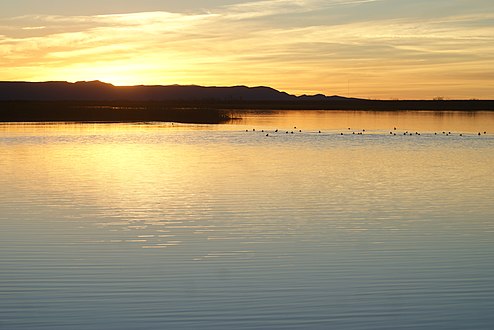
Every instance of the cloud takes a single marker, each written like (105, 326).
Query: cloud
(246, 44)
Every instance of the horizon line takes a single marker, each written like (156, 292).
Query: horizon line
(436, 98)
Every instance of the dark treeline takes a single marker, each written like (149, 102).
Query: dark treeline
(204, 111)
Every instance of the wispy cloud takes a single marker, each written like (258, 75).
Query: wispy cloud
(245, 44)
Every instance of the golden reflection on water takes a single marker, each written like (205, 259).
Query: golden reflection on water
(428, 121)
(162, 224)
(158, 184)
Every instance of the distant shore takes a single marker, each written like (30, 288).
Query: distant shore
(210, 112)
(83, 111)
(96, 101)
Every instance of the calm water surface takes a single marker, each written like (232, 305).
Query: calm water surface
(161, 226)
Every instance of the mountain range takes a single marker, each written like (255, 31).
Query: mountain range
(36, 95)
(100, 91)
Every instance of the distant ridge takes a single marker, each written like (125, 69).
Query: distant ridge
(36, 95)
(100, 91)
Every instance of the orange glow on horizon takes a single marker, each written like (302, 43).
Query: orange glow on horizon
(254, 44)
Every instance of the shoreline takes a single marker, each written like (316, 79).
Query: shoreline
(208, 112)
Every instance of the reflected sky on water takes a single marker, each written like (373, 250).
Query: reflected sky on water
(131, 226)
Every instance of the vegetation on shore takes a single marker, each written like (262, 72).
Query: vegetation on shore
(82, 111)
(208, 112)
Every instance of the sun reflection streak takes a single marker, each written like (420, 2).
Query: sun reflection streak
(160, 185)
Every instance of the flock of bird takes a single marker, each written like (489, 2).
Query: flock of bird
(360, 132)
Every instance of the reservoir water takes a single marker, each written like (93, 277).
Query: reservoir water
(382, 220)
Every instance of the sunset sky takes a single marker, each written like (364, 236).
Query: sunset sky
(386, 49)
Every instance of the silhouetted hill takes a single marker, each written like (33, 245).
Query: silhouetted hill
(99, 91)
(17, 99)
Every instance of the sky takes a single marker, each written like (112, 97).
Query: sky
(378, 49)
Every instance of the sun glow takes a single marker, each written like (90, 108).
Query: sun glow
(451, 55)
(116, 79)
(120, 75)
